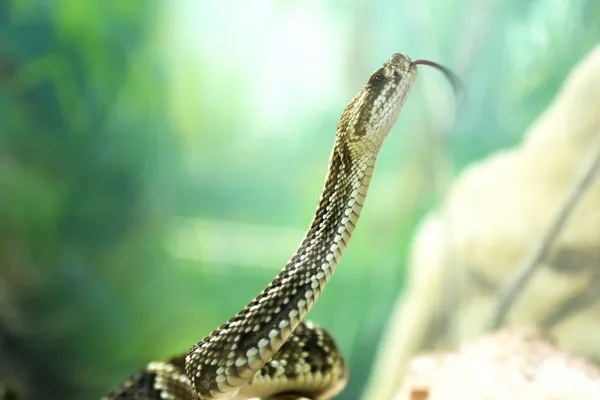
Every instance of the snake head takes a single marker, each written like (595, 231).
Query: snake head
(375, 109)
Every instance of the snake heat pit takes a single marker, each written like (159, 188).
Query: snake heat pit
(267, 351)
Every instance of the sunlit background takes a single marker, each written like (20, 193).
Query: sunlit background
(160, 161)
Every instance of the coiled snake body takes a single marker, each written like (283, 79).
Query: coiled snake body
(266, 350)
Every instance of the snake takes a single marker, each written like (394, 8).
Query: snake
(268, 350)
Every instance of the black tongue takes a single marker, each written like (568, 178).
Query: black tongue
(457, 84)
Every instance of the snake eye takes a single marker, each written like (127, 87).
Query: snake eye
(376, 78)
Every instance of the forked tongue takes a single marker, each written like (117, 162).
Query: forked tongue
(455, 81)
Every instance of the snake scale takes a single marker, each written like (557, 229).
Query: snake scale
(267, 351)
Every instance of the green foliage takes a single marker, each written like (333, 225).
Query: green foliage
(82, 128)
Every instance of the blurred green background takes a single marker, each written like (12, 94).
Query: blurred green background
(160, 161)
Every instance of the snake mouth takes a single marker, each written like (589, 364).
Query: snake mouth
(455, 81)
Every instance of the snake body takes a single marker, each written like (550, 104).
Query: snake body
(266, 350)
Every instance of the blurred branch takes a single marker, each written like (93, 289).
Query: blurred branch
(575, 304)
(514, 289)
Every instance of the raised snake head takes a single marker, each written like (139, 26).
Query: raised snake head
(375, 109)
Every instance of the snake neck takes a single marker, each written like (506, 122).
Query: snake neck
(233, 353)
(329, 233)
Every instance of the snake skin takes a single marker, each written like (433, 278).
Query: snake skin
(266, 350)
